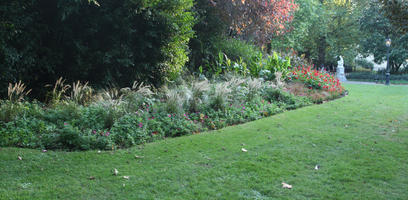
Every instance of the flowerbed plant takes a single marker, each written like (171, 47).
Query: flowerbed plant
(315, 79)
(113, 118)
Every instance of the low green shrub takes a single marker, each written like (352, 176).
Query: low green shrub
(129, 130)
(236, 49)
(372, 76)
(365, 64)
(96, 117)
(23, 132)
(286, 100)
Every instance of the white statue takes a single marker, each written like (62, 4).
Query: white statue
(340, 70)
(340, 62)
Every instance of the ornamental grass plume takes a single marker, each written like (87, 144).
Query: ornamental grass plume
(17, 92)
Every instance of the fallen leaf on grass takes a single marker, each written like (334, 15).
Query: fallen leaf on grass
(92, 178)
(126, 177)
(20, 158)
(244, 150)
(115, 172)
(285, 185)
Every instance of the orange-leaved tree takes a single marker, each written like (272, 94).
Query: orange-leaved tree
(257, 19)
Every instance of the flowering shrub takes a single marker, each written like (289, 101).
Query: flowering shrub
(315, 79)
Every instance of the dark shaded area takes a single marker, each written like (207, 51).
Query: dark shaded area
(118, 42)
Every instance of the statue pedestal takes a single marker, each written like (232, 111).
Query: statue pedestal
(340, 74)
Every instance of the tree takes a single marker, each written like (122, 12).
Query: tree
(300, 28)
(377, 29)
(323, 30)
(105, 41)
(257, 19)
(397, 12)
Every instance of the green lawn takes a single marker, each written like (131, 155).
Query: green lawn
(360, 142)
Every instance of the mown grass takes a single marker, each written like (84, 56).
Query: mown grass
(360, 142)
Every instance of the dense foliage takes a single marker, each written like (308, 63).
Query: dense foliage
(397, 12)
(377, 77)
(108, 42)
(257, 19)
(323, 30)
(377, 29)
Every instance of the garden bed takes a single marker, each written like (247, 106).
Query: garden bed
(121, 118)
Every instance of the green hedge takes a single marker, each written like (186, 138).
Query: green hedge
(375, 76)
(115, 42)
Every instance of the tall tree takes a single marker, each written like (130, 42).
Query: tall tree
(377, 29)
(257, 19)
(397, 12)
(329, 28)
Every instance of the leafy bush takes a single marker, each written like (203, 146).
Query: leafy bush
(142, 40)
(284, 99)
(365, 64)
(275, 63)
(9, 110)
(22, 132)
(129, 130)
(267, 67)
(236, 49)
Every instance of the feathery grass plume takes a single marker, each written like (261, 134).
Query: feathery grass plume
(237, 84)
(198, 89)
(137, 96)
(17, 92)
(144, 90)
(111, 94)
(58, 92)
(81, 93)
(221, 96)
(235, 81)
(254, 87)
(174, 101)
(278, 79)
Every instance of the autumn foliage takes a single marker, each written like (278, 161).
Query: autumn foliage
(258, 19)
